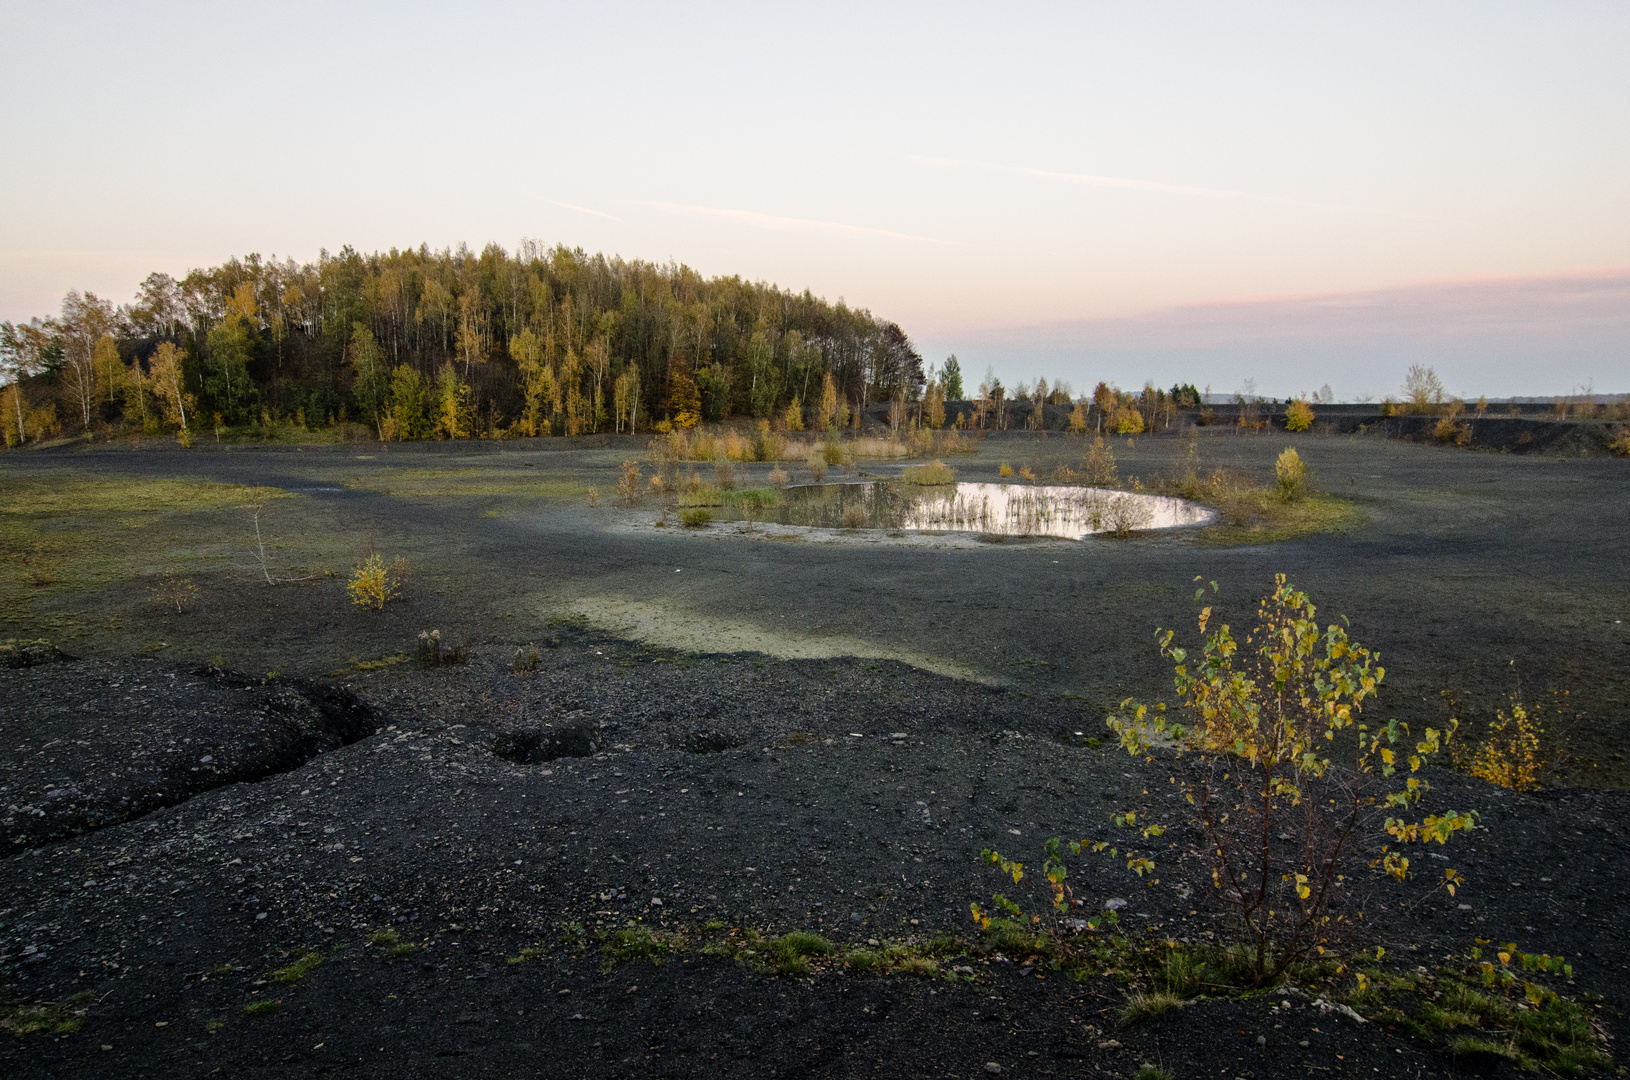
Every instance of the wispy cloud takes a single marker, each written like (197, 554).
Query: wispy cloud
(1127, 183)
(582, 209)
(782, 224)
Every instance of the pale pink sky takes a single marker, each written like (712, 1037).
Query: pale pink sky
(996, 178)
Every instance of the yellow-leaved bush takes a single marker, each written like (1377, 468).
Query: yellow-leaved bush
(1283, 782)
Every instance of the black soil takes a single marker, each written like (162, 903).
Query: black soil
(478, 813)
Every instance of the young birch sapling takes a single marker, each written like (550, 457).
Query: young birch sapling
(1264, 724)
(1282, 781)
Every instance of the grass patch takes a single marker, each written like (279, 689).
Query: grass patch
(640, 943)
(695, 517)
(72, 531)
(52, 1018)
(1483, 1011)
(1148, 1071)
(71, 493)
(1252, 514)
(789, 955)
(435, 483)
(933, 474)
(1262, 518)
(355, 666)
(391, 943)
(1015, 942)
(304, 965)
(263, 1008)
(526, 955)
(1141, 1006)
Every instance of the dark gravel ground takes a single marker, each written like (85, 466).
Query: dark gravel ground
(98, 742)
(845, 796)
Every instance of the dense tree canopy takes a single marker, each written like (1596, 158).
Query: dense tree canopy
(449, 344)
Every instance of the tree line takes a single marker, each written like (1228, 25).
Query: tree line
(452, 344)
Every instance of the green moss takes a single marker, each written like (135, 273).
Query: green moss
(303, 966)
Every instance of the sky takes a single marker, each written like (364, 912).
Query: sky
(1293, 194)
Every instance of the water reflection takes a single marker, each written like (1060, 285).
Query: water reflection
(1001, 509)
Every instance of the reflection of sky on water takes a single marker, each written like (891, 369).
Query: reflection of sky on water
(1003, 509)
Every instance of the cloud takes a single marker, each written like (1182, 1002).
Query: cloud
(782, 224)
(1535, 335)
(1093, 180)
(582, 209)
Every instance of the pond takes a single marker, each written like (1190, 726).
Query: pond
(1068, 513)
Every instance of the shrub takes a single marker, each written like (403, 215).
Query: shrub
(855, 517)
(372, 584)
(1126, 420)
(934, 473)
(629, 482)
(767, 445)
(1510, 755)
(1620, 444)
(1452, 431)
(1124, 515)
(780, 478)
(1263, 724)
(695, 517)
(1098, 468)
(527, 660)
(1004, 469)
(1299, 415)
(1291, 475)
(432, 653)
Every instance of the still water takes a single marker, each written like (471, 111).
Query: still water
(1000, 509)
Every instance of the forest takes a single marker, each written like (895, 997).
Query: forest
(451, 344)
